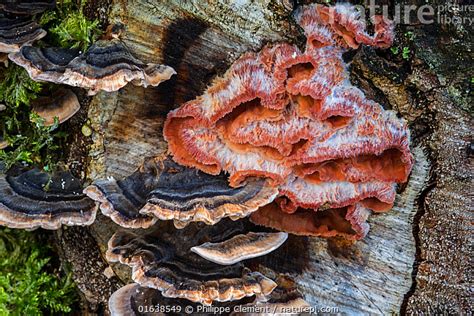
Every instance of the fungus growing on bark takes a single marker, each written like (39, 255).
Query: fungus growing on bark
(187, 195)
(16, 31)
(106, 65)
(28, 7)
(240, 247)
(122, 200)
(35, 199)
(284, 300)
(294, 118)
(162, 189)
(162, 260)
(133, 299)
(63, 104)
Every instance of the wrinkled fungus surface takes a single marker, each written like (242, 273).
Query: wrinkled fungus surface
(33, 199)
(106, 65)
(294, 118)
(16, 31)
(162, 189)
(163, 260)
(27, 7)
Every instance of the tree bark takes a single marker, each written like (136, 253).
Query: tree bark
(416, 257)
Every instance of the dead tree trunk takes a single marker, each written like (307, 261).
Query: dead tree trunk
(415, 258)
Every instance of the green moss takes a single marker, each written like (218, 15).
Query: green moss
(68, 27)
(29, 140)
(29, 284)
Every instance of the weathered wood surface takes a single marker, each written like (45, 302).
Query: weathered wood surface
(427, 232)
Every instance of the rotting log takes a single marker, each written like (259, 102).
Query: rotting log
(415, 258)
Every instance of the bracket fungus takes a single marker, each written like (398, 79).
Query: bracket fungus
(284, 300)
(63, 104)
(33, 199)
(162, 189)
(293, 117)
(240, 247)
(16, 31)
(28, 7)
(163, 260)
(106, 65)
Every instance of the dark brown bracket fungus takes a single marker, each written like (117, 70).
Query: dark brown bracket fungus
(62, 105)
(134, 300)
(27, 7)
(240, 247)
(35, 199)
(162, 260)
(162, 189)
(284, 300)
(106, 65)
(187, 195)
(122, 200)
(16, 31)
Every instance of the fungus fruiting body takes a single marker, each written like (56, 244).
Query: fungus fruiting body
(284, 300)
(294, 118)
(240, 247)
(63, 104)
(16, 31)
(163, 260)
(106, 65)
(28, 7)
(162, 189)
(33, 199)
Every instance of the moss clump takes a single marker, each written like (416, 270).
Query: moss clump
(68, 27)
(29, 140)
(29, 284)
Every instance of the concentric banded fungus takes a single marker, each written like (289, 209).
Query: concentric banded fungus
(122, 200)
(63, 105)
(162, 189)
(240, 247)
(34, 199)
(107, 65)
(16, 31)
(284, 300)
(133, 299)
(294, 118)
(28, 7)
(163, 260)
(187, 195)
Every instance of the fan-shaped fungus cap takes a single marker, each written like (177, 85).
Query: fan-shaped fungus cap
(106, 65)
(16, 31)
(132, 298)
(293, 118)
(28, 7)
(240, 247)
(35, 199)
(122, 200)
(163, 260)
(284, 300)
(187, 195)
(63, 105)
(162, 189)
